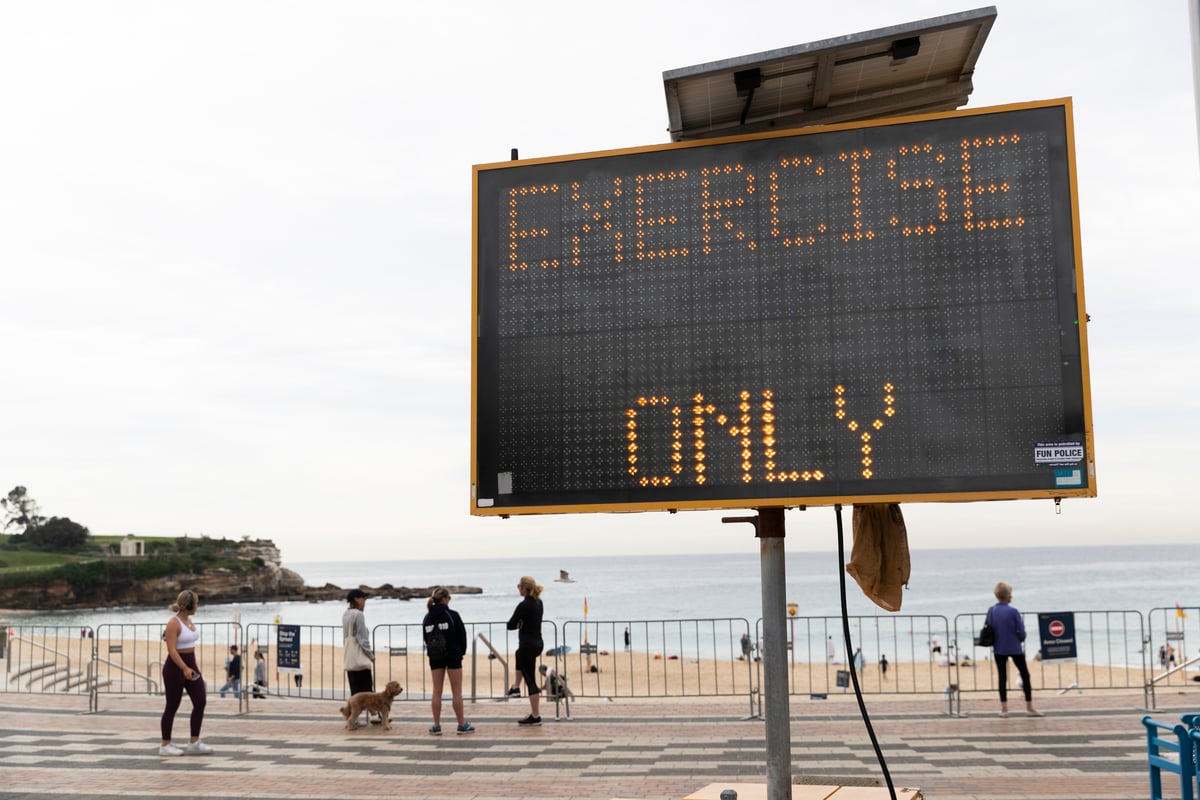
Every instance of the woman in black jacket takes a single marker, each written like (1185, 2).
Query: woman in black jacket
(527, 620)
(445, 645)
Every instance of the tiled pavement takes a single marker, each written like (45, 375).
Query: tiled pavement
(1087, 746)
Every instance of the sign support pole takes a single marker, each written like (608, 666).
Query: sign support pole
(770, 532)
(769, 529)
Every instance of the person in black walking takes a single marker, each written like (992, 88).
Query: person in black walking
(233, 673)
(527, 621)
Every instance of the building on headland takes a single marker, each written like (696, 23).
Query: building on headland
(132, 547)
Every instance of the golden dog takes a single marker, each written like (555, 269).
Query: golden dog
(377, 702)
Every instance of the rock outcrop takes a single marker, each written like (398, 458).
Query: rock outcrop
(264, 579)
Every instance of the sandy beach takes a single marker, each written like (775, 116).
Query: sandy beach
(133, 665)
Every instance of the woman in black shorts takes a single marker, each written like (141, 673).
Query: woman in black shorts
(445, 644)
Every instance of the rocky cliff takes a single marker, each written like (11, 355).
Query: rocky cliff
(260, 577)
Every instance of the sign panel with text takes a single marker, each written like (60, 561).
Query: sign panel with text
(875, 312)
(1057, 632)
(287, 648)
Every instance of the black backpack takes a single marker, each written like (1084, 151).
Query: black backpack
(435, 643)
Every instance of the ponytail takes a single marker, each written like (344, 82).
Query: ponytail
(532, 588)
(439, 595)
(186, 601)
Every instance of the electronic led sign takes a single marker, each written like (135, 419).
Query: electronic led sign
(885, 311)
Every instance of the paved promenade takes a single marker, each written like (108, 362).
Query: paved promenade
(1087, 746)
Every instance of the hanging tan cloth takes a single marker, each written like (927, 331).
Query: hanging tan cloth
(879, 561)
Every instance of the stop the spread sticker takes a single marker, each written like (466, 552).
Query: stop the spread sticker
(1058, 453)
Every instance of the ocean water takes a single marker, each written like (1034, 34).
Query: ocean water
(724, 586)
(943, 582)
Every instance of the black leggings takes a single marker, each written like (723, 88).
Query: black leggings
(1022, 670)
(360, 680)
(527, 655)
(174, 685)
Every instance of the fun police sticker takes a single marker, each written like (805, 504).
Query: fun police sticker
(1058, 453)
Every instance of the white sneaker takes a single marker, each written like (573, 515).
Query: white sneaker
(169, 750)
(197, 749)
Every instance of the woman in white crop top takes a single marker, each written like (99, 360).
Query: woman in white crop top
(180, 673)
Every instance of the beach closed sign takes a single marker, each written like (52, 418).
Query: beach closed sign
(883, 311)
(1057, 633)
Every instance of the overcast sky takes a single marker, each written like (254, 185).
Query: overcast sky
(235, 255)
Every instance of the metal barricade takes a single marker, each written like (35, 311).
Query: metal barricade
(1110, 654)
(302, 660)
(615, 658)
(665, 658)
(313, 664)
(129, 657)
(488, 668)
(46, 658)
(1169, 633)
(897, 655)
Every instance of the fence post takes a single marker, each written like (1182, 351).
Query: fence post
(93, 677)
(750, 687)
(247, 657)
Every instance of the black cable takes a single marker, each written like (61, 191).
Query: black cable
(862, 706)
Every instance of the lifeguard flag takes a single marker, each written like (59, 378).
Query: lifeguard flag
(1178, 610)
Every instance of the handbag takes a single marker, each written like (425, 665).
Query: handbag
(354, 656)
(986, 637)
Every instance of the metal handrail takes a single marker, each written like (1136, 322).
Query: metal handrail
(152, 684)
(1155, 679)
(475, 673)
(31, 643)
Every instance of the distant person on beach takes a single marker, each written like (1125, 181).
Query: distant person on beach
(1009, 643)
(552, 684)
(1162, 655)
(233, 673)
(181, 674)
(527, 621)
(354, 623)
(445, 644)
(935, 646)
(746, 646)
(830, 651)
(627, 637)
(1170, 656)
(883, 665)
(260, 675)
(859, 660)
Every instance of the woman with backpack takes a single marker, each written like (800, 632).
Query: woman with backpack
(445, 645)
